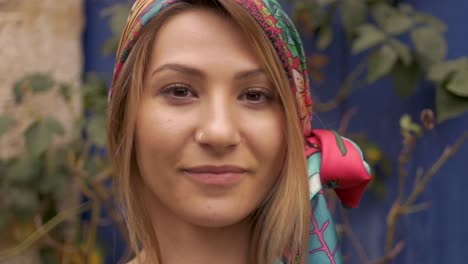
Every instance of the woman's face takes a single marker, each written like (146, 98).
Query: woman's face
(210, 140)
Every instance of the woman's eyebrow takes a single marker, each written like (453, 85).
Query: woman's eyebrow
(184, 69)
(179, 68)
(249, 74)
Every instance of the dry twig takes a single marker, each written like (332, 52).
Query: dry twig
(399, 207)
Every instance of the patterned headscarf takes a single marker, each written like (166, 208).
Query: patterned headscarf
(324, 149)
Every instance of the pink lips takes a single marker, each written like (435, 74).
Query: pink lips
(216, 175)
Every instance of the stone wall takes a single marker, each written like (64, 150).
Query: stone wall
(38, 36)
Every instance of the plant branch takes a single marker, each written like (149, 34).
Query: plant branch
(448, 153)
(346, 119)
(358, 247)
(399, 208)
(345, 90)
(101, 194)
(44, 229)
(50, 240)
(391, 255)
(409, 142)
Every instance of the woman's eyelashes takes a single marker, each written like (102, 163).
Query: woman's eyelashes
(257, 95)
(179, 92)
(182, 92)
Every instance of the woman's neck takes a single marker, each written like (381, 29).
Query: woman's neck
(191, 244)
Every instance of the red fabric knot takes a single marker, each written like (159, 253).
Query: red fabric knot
(342, 165)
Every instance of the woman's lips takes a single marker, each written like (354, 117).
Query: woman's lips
(216, 175)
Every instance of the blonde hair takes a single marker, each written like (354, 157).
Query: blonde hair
(281, 225)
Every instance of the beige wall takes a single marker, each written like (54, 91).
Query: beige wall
(38, 36)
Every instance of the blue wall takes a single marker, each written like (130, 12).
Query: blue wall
(438, 235)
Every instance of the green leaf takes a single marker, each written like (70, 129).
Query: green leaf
(381, 12)
(18, 92)
(110, 46)
(458, 85)
(405, 122)
(430, 44)
(78, 127)
(53, 126)
(5, 123)
(118, 14)
(431, 21)
(398, 24)
(317, 13)
(40, 82)
(391, 20)
(449, 105)
(405, 78)
(415, 128)
(22, 171)
(96, 130)
(38, 138)
(65, 91)
(94, 93)
(381, 63)
(325, 38)
(54, 183)
(439, 72)
(378, 187)
(36, 82)
(404, 53)
(353, 14)
(405, 8)
(23, 202)
(368, 37)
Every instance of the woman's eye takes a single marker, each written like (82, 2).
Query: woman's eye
(178, 91)
(257, 95)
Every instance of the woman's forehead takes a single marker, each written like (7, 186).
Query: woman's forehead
(202, 38)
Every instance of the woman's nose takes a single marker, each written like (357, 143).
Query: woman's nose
(218, 130)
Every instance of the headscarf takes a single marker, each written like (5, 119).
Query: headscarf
(332, 161)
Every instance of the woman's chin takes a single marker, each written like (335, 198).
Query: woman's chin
(216, 218)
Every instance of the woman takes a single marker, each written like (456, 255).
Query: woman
(209, 126)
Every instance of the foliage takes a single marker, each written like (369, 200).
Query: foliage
(376, 29)
(35, 182)
(117, 15)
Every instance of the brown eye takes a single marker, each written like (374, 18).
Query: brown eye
(253, 96)
(257, 95)
(178, 91)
